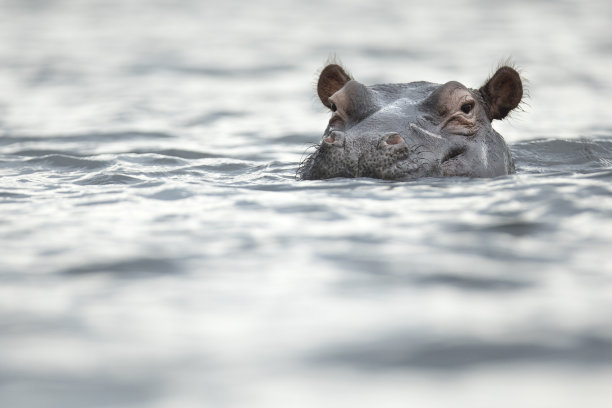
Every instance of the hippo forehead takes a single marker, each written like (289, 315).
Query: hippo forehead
(401, 101)
(387, 105)
(410, 93)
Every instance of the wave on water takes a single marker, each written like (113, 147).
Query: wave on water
(568, 155)
(95, 137)
(61, 161)
(585, 156)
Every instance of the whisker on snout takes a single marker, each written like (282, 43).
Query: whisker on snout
(304, 162)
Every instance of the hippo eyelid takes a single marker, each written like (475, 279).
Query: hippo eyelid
(466, 122)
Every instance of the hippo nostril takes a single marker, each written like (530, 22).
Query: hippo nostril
(391, 139)
(335, 138)
(394, 139)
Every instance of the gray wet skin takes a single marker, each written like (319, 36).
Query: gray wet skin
(417, 129)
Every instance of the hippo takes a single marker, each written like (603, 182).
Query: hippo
(412, 130)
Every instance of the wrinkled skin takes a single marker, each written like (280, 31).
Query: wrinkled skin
(417, 129)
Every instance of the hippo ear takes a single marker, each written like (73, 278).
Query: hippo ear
(502, 93)
(331, 80)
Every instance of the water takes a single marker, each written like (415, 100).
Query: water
(156, 250)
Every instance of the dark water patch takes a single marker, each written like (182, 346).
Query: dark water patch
(171, 194)
(161, 174)
(229, 167)
(297, 138)
(473, 283)
(249, 205)
(96, 137)
(9, 196)
(130, 266)
(36, 388)
(148, 184)
(261, 156)
(396, 52)
(516, 228)
(216, 71)
(565, 155)
(118, 136)
(498, 250)
(170, 218)
(167, 161)
(51, 73)
(605, 175)
(9, 140)
(265, 178)
(213, 117)
(152, 159)
(46, 152)
(276, 166)
(552, 200)
(408, 353)
(63, 161)
(336, 186)
(182, 154)
(97, 202)
(421, 273)
(359, 263)
(307, 208)
(103, 178)
(382, 51)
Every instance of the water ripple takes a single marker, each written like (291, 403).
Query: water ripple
(102, 179)
(94, 137)
(130, 266)
(171, 194)
(64, 161)
(406, 352)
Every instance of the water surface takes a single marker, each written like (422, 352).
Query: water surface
(157, 251)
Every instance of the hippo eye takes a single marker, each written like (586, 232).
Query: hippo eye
(333, 107)
(467, 107)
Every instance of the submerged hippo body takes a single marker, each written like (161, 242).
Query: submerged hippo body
(417, 129)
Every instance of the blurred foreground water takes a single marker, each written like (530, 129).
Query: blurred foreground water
(156, 250)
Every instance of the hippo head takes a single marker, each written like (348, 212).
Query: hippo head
(417, 129)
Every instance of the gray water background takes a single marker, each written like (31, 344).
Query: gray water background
(156, 250)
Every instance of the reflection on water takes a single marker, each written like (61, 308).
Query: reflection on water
(157, 250)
